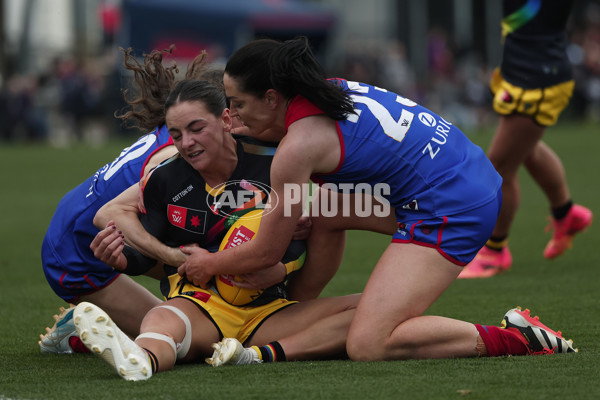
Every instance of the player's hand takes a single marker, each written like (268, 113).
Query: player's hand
(108, 247)
(303, 228)
(175, 256)
(194, 266)
(262, 279)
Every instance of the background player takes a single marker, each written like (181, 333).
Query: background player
(531, 88)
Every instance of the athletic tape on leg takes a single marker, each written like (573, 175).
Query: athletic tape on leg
(184, 346)
(159, 336)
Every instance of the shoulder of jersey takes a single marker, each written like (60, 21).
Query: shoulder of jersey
(254, 146)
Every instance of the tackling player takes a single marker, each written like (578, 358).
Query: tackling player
(69, 264)
(179, 199)
(444, 192)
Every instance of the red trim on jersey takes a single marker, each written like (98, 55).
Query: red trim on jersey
(436, 246)
(300, 107)
(168, 143)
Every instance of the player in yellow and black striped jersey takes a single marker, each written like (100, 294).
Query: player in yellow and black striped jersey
(177, 211)
(531, 88)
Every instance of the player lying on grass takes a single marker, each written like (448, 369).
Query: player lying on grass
(181, 201)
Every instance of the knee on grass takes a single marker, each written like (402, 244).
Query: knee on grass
(365, 348)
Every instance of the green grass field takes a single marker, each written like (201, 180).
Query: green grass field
(564, 292)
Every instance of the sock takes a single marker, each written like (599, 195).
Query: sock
(497, 242)
(153, 360)
(77, 345)
(502, 342)
(560, 212)
(273, 352)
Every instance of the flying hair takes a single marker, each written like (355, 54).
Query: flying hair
(154, 81)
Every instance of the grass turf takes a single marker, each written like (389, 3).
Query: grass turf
(564, 292)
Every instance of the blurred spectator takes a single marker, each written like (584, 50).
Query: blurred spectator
(398, 74)
(21, 117)
(109, 14)
(81, 94)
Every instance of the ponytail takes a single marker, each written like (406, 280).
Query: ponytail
(291, 69)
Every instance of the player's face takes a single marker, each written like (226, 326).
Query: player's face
(259, 114)
(199, 136)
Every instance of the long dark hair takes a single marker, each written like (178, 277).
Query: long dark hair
(154, 81)
(291, 68)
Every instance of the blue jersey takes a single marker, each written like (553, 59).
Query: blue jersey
(443, 188)
(430, 165)
(68, 262)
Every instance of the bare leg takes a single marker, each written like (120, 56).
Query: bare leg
(327, 241)
(125, 301)
(547, 170)
(388, 324)
(310, 330)
(515, 140)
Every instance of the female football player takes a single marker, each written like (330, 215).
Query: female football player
(186, 201)
(70, 267)
(443, 191)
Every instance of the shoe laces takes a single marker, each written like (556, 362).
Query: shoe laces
(545, 350)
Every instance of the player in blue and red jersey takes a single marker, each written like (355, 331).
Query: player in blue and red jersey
(69, 264)
(444, 197)
(531, 88)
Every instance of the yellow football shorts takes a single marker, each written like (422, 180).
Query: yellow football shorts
(542, 104)
(231, 321)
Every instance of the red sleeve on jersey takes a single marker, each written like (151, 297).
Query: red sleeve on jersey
(299, 108)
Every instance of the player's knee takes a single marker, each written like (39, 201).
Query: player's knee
(369, 347)
(361, 347)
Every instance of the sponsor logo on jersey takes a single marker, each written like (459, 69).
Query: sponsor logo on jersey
(179, 195)
(427, 119)
(439, 138)
(188, 219)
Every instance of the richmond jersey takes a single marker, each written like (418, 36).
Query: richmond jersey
(182, 209)
(430, 166)
(535, 42)
(68, 261)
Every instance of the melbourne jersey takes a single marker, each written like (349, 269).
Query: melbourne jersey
(429, 165)
(69, 263)
(535, 42)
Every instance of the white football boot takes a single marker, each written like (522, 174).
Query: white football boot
(540, 338)
(231, 351)
(102, 336)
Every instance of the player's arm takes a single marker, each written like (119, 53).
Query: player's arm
(291, 168)
(123, 210)
(109, 247)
